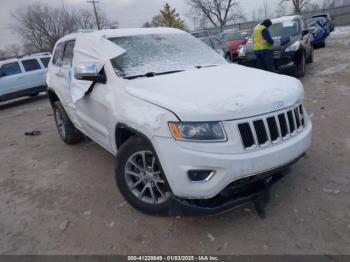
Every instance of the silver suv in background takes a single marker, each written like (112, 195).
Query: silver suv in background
(24, 76)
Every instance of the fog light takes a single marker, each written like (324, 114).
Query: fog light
(200, 176)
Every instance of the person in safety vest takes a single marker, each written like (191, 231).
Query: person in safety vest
(262, 46)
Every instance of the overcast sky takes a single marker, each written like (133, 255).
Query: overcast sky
(129, 13)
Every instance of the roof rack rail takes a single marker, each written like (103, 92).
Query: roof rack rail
(38, 54)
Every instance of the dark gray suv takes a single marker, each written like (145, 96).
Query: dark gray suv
(292, 49)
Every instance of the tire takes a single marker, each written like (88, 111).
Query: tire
(310, 59)
(228, 57)
(68, 133)
(137, 180)
(300, 71)
(323, 44)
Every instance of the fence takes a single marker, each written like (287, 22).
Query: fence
(340, 16)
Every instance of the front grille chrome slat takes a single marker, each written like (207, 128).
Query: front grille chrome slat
(271, 129)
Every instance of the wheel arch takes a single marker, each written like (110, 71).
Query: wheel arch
(53, 97)
(123, 132)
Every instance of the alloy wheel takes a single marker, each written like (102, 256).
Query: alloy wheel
(60, 123)
(145, 179)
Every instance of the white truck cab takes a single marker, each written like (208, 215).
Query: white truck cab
(24, 76)
(191, 132)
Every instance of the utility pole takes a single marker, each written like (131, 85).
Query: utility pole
(94, 2)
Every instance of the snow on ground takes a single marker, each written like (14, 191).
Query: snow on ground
(340, 37)
(340, 32)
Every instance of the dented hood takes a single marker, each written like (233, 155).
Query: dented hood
(224, 92)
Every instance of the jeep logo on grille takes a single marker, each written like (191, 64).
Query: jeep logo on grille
(278, 105)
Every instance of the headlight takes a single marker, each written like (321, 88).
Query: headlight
(293, 47)
(192, 131)
(241, 51)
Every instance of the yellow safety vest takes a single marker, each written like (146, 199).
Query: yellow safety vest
(259, 42)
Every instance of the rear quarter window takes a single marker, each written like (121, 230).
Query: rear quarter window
(31, 65)
(45, 61)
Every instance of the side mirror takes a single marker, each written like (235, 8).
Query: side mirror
(90, 72)
(306, 31)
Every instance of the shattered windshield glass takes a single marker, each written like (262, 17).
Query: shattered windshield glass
(162, 52)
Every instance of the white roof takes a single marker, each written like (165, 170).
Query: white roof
(108, 33)
(284, 19)
(27, 57)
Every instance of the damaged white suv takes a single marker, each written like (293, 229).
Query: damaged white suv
(192, 133)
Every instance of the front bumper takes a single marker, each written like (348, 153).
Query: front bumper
(283, 61)
(252, 189)
(177, 159)
(320, 39)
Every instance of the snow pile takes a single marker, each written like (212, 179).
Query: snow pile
(340, 33)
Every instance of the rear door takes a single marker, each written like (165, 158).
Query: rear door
(44, 62)
(12, 79)
(61, 73)
(33, 73)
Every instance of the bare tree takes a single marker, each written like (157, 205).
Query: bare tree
(40, 26)
(14, 50)
(3, 54)
(85, 19)
(298, 5)
(155, 22)
(266, 9)
(217, 12)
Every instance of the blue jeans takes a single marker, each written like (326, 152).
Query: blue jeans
(264, 60)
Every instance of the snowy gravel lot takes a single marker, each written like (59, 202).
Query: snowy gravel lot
(58, 199)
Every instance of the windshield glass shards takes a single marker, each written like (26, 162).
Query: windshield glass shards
(162, 53)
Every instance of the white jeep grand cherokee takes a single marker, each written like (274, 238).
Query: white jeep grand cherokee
(192, 133)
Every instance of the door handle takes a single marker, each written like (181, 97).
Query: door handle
(20, 77)
(59, 74)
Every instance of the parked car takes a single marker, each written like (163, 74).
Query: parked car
(219, 46)
(292, 49)
(329, 20)
(200, 34)
(234, 39)
(188, 139)
(24, 76)
(319, 33)
(322, 22)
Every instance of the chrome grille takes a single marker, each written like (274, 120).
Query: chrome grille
(277, 54)
(273, 128)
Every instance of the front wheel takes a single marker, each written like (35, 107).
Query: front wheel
(141, 179)
(310, 59)
(300, 71)
(228, 57)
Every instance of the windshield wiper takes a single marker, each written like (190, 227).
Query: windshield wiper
(200, 66)
(152, 74)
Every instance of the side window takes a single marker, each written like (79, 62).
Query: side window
(10, 69)
(68, 53)
(57, 57)
(45, 61)
(31, 65)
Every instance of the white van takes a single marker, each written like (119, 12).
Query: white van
(191, 132)
(24, 76)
